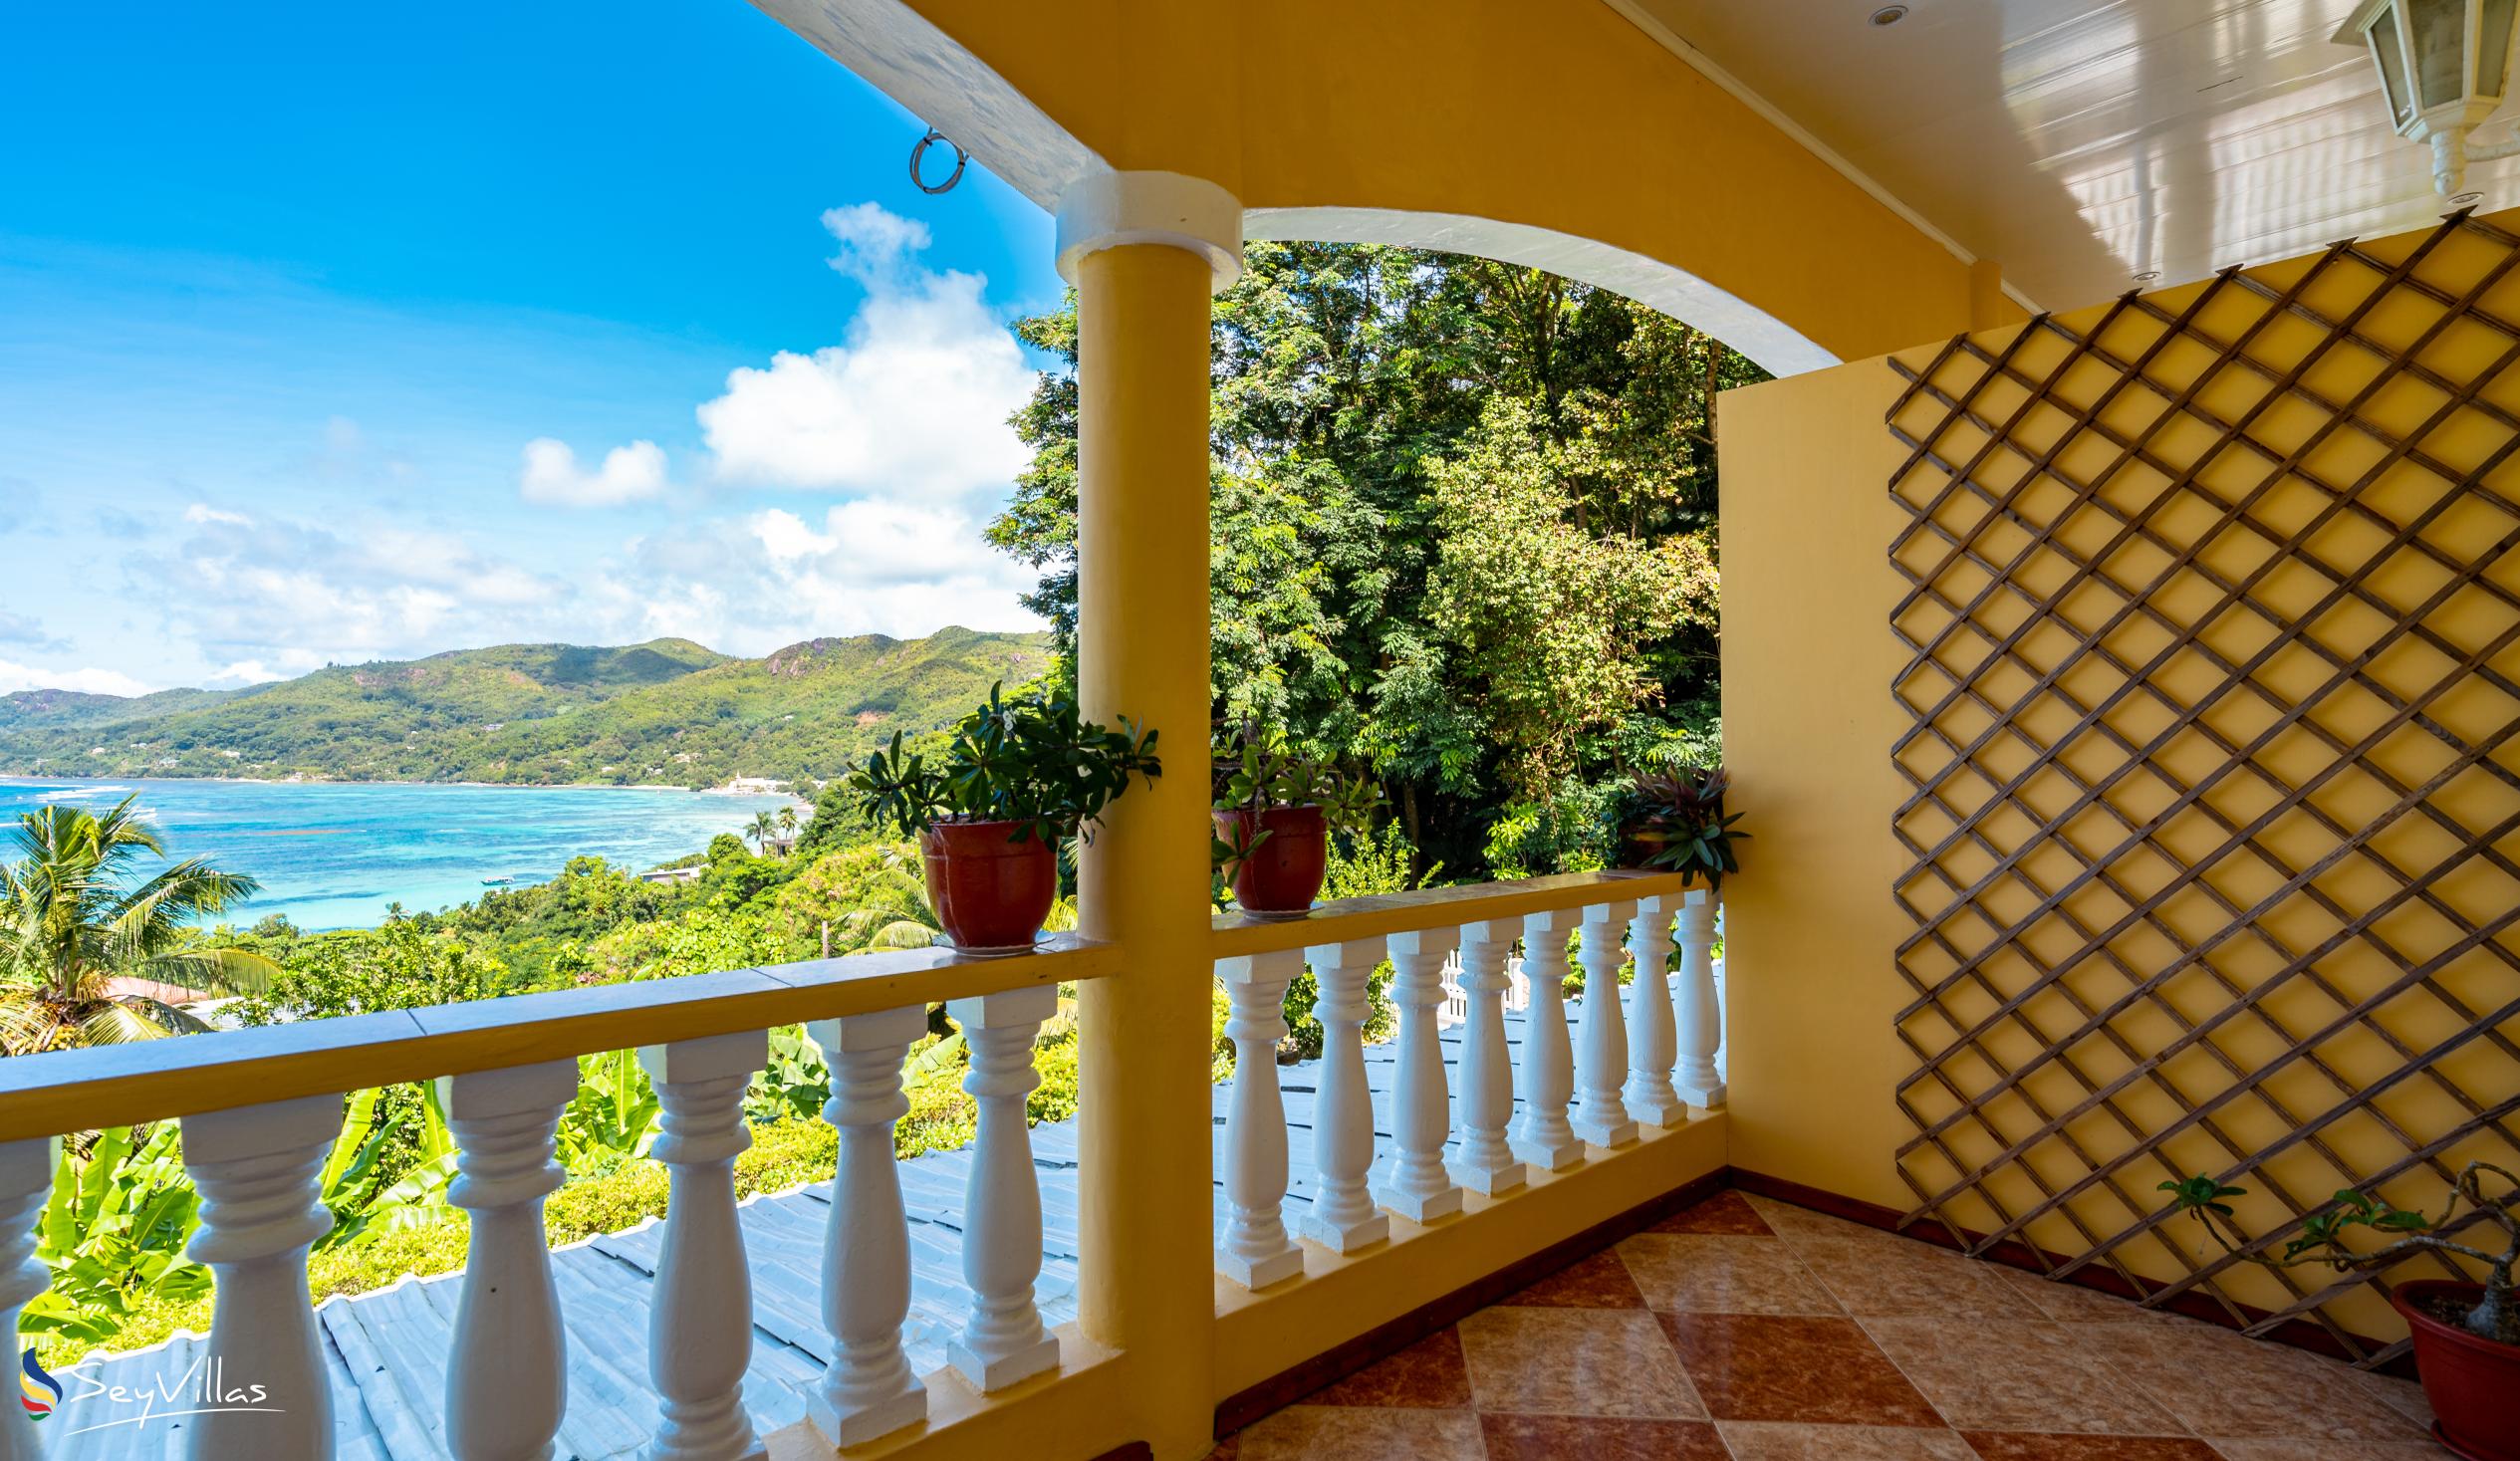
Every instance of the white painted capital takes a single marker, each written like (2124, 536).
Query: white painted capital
(1108, 210)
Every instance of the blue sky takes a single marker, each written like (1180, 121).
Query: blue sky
(331, 333)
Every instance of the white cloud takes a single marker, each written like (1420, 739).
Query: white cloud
(15, 676)
(286, 665)
(913, 404)
(752, 584)
(632, 473)
(202, 512)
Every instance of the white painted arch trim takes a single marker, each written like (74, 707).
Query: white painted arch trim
(1779, 348)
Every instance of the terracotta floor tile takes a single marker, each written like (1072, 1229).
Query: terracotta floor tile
(1750, 1366)
(1788, 1220)
(2036, 1446)
(2404, 1396)
(1428, 1375)
(2221, 1384)
(2016, 1374)
(2071, 1302)
(1598, 1438)
(1575, 1361)
(1361, 1434)
(1774, 1440)
(1725, 1212)
(1598, 1282)
(1722, 1274)
(1902, 1278)
(2299, 1449)
(1228, 1449)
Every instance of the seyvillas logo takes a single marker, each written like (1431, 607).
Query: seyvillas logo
(39, 1390)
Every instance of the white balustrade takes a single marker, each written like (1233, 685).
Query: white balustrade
(1651, 1038)
(1485, 1163)
(259, 1170)
(700, 1326)
(1541, 1135)
(1344, 1218)
(26, 1183)
(507, 1375)
(1003, 1341)
(869, 1389)
(1414, 1183)
(1701, 1082)
(1601, 1114)
(1255, 1251)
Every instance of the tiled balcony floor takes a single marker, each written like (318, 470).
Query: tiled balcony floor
(1750, 1329)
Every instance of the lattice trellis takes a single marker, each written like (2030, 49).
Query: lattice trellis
(2214, 801)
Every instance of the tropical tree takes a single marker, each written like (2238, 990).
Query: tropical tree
(79, 910)
(764, 827)
(787, 825)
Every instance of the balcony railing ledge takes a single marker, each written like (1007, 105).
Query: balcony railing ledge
(1240, 935)
(42, 1096)
(1288, 1325)
(1086, 1402)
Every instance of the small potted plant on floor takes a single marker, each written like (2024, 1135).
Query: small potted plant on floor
(2467, 1335)
(1019, 777)
(1674, 821)
(1274, 811)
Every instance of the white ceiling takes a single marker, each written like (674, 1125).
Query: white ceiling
(2079, 144)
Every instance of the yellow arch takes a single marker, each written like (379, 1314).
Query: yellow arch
(1378, 119)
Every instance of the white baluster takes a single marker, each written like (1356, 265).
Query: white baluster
(26, 1183)
(1701, 1018)
(1541, 1135)
(1414, 1183)
(1486, 1161)
(1255, 1251)
(507, 1373)
(1601, 1117)
(869, 1389)
(1648, 1095)
(699, 1320)
(1003, 1341)
(1344, 1218)
(259, 1170)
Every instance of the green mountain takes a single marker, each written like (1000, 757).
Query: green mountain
(666, 713)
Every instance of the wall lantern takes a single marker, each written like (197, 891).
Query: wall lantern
(2443, 65)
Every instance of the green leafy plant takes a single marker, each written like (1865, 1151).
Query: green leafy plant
(1254, 769)
(1675, 821)
(1032, 760)
(113, 1235)
(2322, 1236)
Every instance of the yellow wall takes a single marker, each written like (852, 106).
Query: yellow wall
(1810, 662)
(1555, 114)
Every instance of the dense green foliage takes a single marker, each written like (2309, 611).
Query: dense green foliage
(667, 712)
(1463, 533)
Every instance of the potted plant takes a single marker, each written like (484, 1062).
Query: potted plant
(1274, 811)
(2467, 1335)
(1674, 821)
(1019, 777)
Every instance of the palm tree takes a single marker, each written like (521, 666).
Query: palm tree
(889, 910)
(763, 828)
(787, 827)
(76, 914)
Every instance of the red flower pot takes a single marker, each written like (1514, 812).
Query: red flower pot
(2471, 1381)
(1283, 874)
(990, 891)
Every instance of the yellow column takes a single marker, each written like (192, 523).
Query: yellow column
(1146, 251)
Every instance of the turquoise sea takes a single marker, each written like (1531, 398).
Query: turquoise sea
(334, 855)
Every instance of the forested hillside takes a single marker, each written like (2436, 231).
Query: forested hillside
(664, 712)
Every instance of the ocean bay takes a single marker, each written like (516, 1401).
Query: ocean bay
(336, 854)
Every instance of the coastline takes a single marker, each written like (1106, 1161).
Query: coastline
(50, 777)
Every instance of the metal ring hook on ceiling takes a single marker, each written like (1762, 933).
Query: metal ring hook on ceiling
(919, 154)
